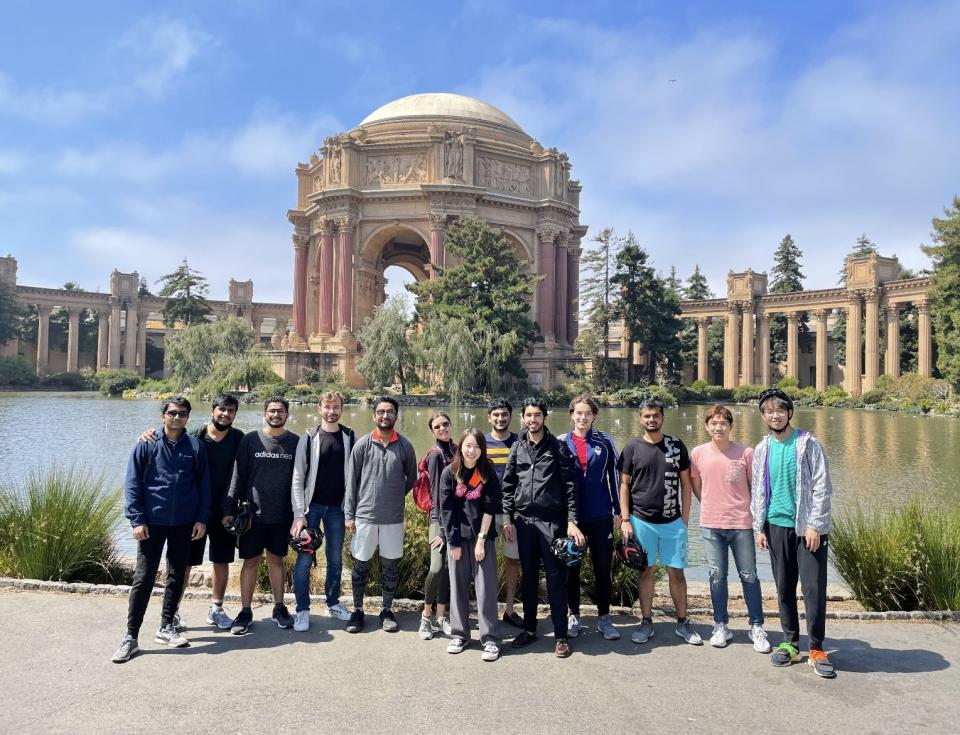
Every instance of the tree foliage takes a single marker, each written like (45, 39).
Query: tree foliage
(696, 289)
(11, 313)
(447, 347)
(787, 278)
(650, 311)
(186, 293)
(489, 288)
(217, 356)
(387, 355)
(864, 246)
(598, 295)
(945, 293)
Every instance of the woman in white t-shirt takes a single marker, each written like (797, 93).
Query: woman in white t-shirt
(720, 471)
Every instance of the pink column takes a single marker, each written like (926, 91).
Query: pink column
(300, 244)
(345, 226)
(562, 303)
(546, 290)
(573, 293)
(326, 280)
(437, 256)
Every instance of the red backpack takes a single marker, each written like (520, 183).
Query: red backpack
(421, 486)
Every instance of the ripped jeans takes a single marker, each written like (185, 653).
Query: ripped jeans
(716, 542)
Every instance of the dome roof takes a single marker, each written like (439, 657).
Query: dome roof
(441, 104)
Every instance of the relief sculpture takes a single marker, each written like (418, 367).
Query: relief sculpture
(403, 169)
(512, 178)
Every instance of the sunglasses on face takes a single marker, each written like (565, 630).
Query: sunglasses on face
(444, 425)
(177, 414)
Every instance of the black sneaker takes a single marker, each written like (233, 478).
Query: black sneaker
(388, 622)
(281, 616)
(524, 639)
(355, 624)
(242, 622)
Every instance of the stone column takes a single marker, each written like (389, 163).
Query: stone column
(43, 339)
(546, 290)
(345, 228)
(103, 337)
(257, 329)
(437, 224)
(746, 356)
(300, 245)
(891, 361)
(326, 280)
(130, 339)
(561, 307)
(573, 291)
(763, 347)
(731, 345)
(793, 356)
(142, 343)
(872, 348)
(820, 320)
(852, 370)
(167, 334)
(924, 339)
(73, 340)
(114, 354)
(703, 364)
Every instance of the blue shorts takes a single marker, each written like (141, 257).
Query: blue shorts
(668, 541)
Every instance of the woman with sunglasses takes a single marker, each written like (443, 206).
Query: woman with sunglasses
(436, 587)
(469, 500)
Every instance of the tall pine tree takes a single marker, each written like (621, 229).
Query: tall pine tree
(864, 246)
(945, 294)
(787, 278)
(597, 294)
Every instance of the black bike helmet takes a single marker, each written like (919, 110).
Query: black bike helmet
(776, 393)
(243, 520)
(631, 554)
(567, 551)
(307, 541)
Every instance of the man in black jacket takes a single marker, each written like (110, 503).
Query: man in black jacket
(540, 500)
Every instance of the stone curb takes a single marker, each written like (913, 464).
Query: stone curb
(405, 605)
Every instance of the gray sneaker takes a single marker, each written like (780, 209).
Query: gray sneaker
(127, 649)
(388, 622)
(426, 629)
(644, 633)
(606, 629)
(218, 616)
(444, 626)
(170, 636)
(178, 622)
(685, 630)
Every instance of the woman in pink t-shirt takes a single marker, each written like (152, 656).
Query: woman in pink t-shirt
(720, 471)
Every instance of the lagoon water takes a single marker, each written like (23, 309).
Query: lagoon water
(876, 458)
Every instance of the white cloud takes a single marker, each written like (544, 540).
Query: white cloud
(11, 162)
(166, 49)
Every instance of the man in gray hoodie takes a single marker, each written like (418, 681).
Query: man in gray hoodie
(790, 503)
(382, 470)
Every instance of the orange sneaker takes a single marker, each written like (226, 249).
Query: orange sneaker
(821, 664)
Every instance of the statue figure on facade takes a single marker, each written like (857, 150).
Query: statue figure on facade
(453, 158)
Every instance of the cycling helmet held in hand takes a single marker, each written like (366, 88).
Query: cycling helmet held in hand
(567, 551)
(243, 520)
(631, 554)
(307, 541)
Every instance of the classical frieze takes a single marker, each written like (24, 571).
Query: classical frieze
(407, 168)
(505, 176)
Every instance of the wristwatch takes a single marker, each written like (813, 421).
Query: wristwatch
(481, 535)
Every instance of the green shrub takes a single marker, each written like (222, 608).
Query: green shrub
(908, 559)
(66, 380)
(114, 381)
(719, 393)
(785, 383)
(59, 524)
(157, 385)
(16, 371)
(747, 392)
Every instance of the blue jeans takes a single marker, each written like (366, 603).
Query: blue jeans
(716, 541)
(333, 533)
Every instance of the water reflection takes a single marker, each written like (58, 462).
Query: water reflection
(876, 458)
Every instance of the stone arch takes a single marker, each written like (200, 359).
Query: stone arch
(520, 246)
(401, 244)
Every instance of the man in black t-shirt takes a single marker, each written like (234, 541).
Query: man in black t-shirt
(316, 495)
(262, 473)
(655, 486)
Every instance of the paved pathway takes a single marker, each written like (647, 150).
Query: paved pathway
(57, 678)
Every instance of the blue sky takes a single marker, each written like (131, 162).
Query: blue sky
(134, 134)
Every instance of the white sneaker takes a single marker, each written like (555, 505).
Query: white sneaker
(759, 637)
(444, 625)
(491, 651)
(426, 629)
(721, 635)
(338, 611)
(302, 622)
(573, 626)
(456, 645)
(217, 616)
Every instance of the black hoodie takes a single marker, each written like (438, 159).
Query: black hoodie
(539, 481)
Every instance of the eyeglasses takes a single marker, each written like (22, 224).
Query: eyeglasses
(388, 412)
(444, 425)
(177, 414)
(774, 412)
(276, 410)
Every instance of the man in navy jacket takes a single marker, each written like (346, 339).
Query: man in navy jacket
(167, 501)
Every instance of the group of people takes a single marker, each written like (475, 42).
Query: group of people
(257, 492)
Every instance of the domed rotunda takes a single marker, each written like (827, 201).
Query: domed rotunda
(381, 194)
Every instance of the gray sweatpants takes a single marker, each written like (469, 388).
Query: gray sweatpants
(484, 575)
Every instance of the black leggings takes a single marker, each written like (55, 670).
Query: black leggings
(149, 551)
(599, 535)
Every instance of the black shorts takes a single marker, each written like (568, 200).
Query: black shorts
(223, 545)
(274, 537)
